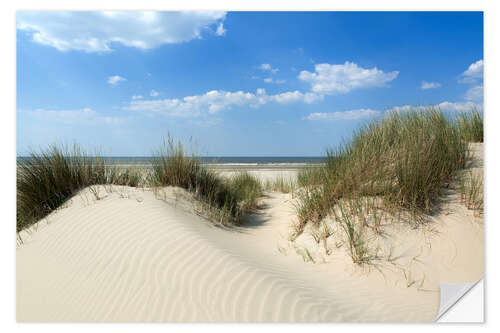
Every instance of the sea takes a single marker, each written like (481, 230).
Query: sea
(259, 161)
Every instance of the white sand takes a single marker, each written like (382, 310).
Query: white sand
(136, 256)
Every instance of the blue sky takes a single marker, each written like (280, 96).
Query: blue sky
(240, 84)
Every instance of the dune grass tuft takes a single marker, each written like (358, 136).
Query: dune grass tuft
(46, 179)
(247, 188)
(471, 191)
(404, 160)
(471, 126)
(224, 200)
(280, 184)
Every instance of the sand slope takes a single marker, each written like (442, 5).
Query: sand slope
(135, 255)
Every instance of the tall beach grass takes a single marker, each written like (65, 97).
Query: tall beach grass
(226, 200)
(46, 179)
(404, 159)
(471, 126)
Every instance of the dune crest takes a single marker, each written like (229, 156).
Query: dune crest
(139, 256)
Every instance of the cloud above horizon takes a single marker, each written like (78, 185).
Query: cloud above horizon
(275, 81)
(475, 93)
(74, 116)
(340, 79)
(370, 113)
(268, 68)
(115, 79)
(327, 80)
(215, 101)
(343, 115)
(429, 85)
(474, 73)
(443, 106)
(96, 31)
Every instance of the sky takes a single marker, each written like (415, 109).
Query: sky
(237, 83)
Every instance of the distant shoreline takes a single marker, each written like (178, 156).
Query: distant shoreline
(228, 163)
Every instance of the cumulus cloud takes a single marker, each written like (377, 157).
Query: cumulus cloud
(115, 79)
(475, 93)
(215, 101)
(459, 106)
(97, 31)
(268, 68)
(474, 73)
(443, 106)
(220, 30)
(340, 79)
(76, 116)
(137, 97)
(369, 113)
(343, 115)
(429, 85)
(153, 93)
(296, 96)
(276, 81)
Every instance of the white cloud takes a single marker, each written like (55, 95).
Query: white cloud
(268, 68)
(443, 106)
(210, 102)
(96, 31)
(137, 97)
(344, 115)
(153, 93)
(475, 93)
(271, 80)
(296, 96)
(76, 116)
(215, 101)
(115, 79)
(459, 106)
(220, 30)
(474, 73)
(340, 79)
(369, 113)
(429, 85)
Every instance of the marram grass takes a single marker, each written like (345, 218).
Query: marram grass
(226, 200)
(46, 179)
(404, 160)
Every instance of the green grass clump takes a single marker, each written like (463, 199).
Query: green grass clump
(310, 175)
(404, 159)
(130, 176)
(280, 184)
(352, 221)
(247, 188)
(472, 192)
(471, 126)
(47, 179)
(224, 201)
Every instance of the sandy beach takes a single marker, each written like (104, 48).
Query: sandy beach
(138, 255)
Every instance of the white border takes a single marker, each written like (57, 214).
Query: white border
(492, 115)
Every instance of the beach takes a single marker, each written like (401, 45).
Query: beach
(137, 255)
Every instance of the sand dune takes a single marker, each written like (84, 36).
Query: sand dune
(139, 256)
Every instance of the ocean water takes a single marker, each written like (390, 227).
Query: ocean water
(223, 160)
